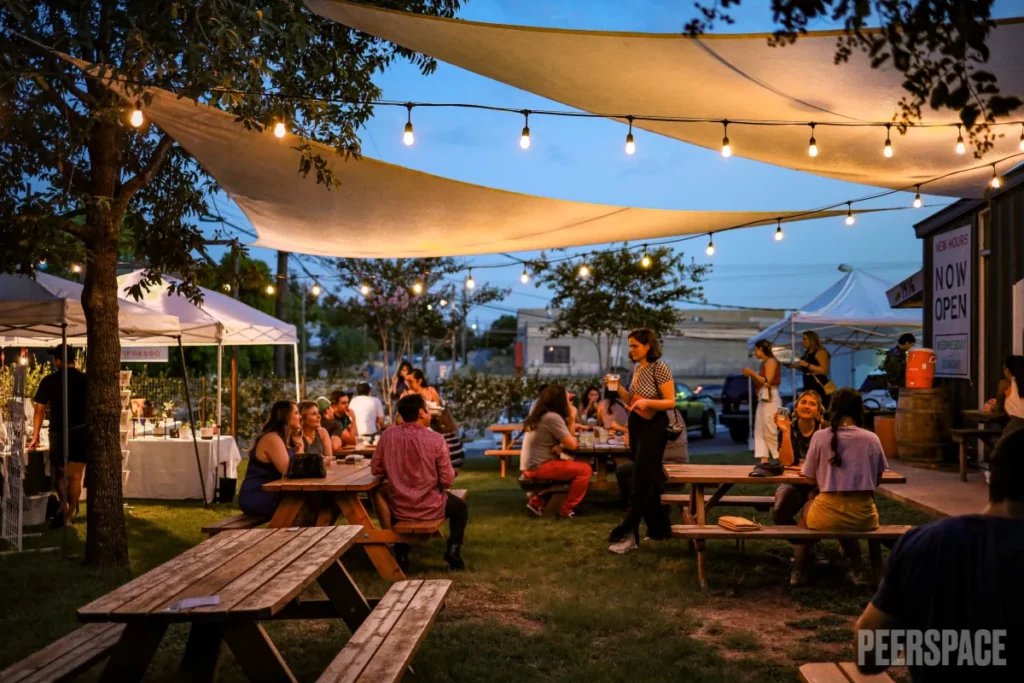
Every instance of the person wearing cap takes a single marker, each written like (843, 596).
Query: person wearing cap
(334, 427)
(67, 477)
(343, 413)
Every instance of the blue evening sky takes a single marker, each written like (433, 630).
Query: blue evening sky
(583, 160)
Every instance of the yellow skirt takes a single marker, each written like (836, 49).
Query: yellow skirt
(847, 512)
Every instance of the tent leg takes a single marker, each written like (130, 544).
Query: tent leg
(64, 434)
(195, 428)
(220, 392)
(295, 355)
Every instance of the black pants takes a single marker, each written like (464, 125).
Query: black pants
(647, 439)
(789, 501)
(457, 513)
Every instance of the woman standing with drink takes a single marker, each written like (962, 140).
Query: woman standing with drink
(814, 365)
(651, 393)
(766, 388)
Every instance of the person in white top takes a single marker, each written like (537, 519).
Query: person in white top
(368, 411)
(1013, 402)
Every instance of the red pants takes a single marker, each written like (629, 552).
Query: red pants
(577, 473)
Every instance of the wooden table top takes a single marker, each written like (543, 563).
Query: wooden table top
(256, 573)
(602, 449)
(367, 451)
(506, 427)
(740, 474)
(982, 415)
(340, 477)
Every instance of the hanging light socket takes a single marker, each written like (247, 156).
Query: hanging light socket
(779, 235)
(470, 283)
(917, 198)
(887, 150)
(726, 147)
(960, 147)
(525, 277)
(850, 220)
(812, 145)
(996, 181)
(630, 145)
(710, 251)
(645, 260)
(408, 138)
(524, 139)
(136, 118)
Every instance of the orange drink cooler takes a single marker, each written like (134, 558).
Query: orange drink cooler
(920, 368)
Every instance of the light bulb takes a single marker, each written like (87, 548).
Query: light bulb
(850, 220)
(778, 233)
(470, 284)
(407, 137)
(645, 262)
(726, 147)
(430, 307)
(271, 289)
(364, 289)
(524, 140)
(226, 287)
(960, 147)
(279, 130)
(315, 289)
(812, 148)
(887, 150)
(710, 251)
(525, 277)
(75, 268)
(136, 118)
(917, 198)
(474, 326)
(630, 145)
(996, 181)
(443, 302)
(417, 288)
(584, 270)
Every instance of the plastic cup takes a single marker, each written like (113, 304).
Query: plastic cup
(612, 382)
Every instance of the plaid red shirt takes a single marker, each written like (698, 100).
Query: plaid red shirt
(416, 462)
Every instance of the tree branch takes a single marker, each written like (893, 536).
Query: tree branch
(148, 172)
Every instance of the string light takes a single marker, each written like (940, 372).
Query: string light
(630, 145)
(443, 302)
(850, 220)
(364, 289)
(271, 289)
(474, 326)
(430, 307)
(960, 147)
(887, 150)
(812, 146)
(525, 277)
(75, 268)
(996, 181)
(524, 139)
(417, 288)
(710, 251)
(407, 137)
(917, 198)
(778, 232)
(280, 130)
(136, 118)
(470, 284)
(726, 147)
(584, 270)
(645, 260)
(226, 287)
(315, 289)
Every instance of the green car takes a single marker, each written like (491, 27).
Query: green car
(698, 411)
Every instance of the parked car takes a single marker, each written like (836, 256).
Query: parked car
(712, 391)
(735, 413)
(875, 392)
(698, 411)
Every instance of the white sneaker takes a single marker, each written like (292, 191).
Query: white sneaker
(624, 546)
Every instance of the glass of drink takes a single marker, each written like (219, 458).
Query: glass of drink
(611, 382)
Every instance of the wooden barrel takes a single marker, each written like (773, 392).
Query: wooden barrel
(922, 425)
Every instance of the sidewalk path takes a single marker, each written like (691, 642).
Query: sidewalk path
(938, 493)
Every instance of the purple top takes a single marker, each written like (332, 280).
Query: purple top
(863, 460)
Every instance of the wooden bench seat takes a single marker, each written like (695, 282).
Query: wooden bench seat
(66, 658)
(842, 672)
(756, 502)
(424, 528)
(234, 524)
(382, 648)
(553, 492)
(501, 455)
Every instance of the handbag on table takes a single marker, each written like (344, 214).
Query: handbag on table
(738, 524)
(306, 466)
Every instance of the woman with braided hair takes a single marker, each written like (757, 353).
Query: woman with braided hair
(847, 463)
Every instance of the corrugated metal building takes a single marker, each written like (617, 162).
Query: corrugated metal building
(973, 290)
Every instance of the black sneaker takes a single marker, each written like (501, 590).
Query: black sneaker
(571, 515)
(402, 558)
(453, 557)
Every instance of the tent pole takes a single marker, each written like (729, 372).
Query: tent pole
(295, 355)
(195, 442)
(64, 435)
(220, 366)
(792, 356)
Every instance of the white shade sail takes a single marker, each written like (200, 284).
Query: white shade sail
(33, 311)
(384, 211)
(732, 77)
(219, 319)
(852, 313)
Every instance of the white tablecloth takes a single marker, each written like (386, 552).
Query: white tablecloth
(166, 468)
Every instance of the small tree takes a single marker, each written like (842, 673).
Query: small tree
(618, 294)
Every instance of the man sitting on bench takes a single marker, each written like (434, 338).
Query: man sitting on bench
(549, 428)
(961, 574)
(415, 461)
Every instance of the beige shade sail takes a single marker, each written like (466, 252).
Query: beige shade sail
(721, 77)
(384, 211)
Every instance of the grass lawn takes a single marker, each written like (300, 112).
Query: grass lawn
(541, 599)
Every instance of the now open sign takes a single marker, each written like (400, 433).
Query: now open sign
(952, 257)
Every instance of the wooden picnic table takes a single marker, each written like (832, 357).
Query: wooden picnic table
(598, 456)
(319, 503)
(257, 575)
(510, 432)
(983, 416)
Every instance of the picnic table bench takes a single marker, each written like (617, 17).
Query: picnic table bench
(697, 530)
(64, 659)
(841, 672)
(511, 433)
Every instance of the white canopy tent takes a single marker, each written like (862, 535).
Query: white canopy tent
(852, 315)
(219, 321)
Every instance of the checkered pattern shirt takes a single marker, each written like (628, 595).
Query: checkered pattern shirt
(417, 465)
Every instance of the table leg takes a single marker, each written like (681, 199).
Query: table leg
(133, 652)
(502, 459)
(328, 512)
(379, 554)
(697, 497)
(291, 508)
(716, 496)
(702, 560)
(255, 653)
(202, 650)
(345, 595)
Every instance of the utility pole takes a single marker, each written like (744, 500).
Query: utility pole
(280, 306)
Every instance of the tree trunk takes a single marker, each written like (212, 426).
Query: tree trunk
(106, 542)
(280, 312)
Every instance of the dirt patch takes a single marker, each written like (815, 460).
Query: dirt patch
(481, 602)
(763, 621)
